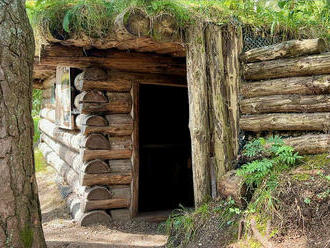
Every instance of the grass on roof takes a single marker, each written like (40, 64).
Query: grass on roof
(296, 18)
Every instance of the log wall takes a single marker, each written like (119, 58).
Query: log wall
(286, 90)
(95, 159)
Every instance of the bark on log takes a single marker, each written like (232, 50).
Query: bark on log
(131, 24)
(95, 141)
(199, 120)
(120, 166)
(285, 103)
(112, 59)
(231, 185)
(165, 28)
(295, 122)
(97, 193)
(291, 48)
(96, 166)
(70, 139)
(88, 205)
(82, 121)
(48, 114)
(105, 179)
(97, 217)
(92, 96)
(88, 155)
(119, 103)
(292, 67)
(310, 143)
(315, 85)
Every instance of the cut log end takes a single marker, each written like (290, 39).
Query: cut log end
(98, 193)
(96, 142)
(96, 167)
(95, 218)
(165, 28)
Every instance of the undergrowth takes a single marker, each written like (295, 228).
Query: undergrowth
(297, 18)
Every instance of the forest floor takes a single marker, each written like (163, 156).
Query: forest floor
(60, 231)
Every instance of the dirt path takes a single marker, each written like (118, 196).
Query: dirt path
(61, 231)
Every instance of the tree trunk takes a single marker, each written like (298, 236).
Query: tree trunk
(285, 49)
(20, 216)
(292, 67)
(287, 86)
(198, 114)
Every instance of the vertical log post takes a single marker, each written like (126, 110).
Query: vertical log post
(198, 111)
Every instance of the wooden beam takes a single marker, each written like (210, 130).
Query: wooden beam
(291, 48)
(295, 122)
(105, 154)
(292, 67)
(310, 143)
(313, 85)
(112, 59)
(105, 179)
(285, 103)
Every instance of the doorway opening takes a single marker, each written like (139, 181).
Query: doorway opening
(165, 172)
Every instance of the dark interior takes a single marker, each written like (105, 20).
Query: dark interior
(165, 177)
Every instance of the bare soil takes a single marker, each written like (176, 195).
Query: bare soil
(60, 231)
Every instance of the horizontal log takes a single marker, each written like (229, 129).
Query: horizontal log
(120, 143)
(70, 139)
(315, 85)
(291, 48)
(285, 103)
(112, 129)
(96, 166)
(105, 179)
(120, 166)
(42, 73)
(115, 106)
(112, 59)
(49, 82)
(95, 141)
(88, 155)
(97, 217)
(310, 143)
(62, 168)
(89, 205)
(47, 93)
(120, 214)
(278, 122)
(92, 96)
(120, 191)
(90, 120)
(48, 114)
(292, 67)
(72, 158)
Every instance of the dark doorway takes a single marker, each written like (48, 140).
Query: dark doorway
(165, 176)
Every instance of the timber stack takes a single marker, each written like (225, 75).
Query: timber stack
(95, 158)
(286, 87)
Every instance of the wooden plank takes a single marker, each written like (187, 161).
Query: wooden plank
(88, 155)
(105, 179)
(89, 205)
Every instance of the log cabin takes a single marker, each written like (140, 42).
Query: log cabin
(135, 124)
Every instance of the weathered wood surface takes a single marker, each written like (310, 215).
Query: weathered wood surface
(285, 103)
(47, 103)
(88, 205)
(92, 96)
(313, 85)
(198, 116)
(120, 192)
(49, 82)
(47, 93)
(95, 166)
(95, 141)
(118, 103)
(120, 143)
(131, 23)
(69, 156)
(294, 122)
(82, 121)
(165, 28)
(231, 185)
(88, 155)
(97, 193)
(112, 59)
(291, 67)
(68, 138)
(120, 166)
(291, 48)
(310, 143)
(62, 168)
(105, 179)
(120, 214)
(48, 114)
(97, 217)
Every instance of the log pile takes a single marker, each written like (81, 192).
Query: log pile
(294, 94)
(94, 160)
